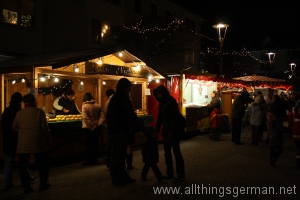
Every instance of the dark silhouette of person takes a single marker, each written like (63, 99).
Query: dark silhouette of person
(237, 114)
(10, 139)
(150, 154)
(171, 131)
(33, 138)
(120, 120)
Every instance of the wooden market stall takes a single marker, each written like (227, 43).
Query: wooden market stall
(192, 91)
(94, 71)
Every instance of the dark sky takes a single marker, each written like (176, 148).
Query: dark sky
(250, 21)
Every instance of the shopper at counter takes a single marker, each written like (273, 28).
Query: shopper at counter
(65, 104)
(91, 113)
(215, 102)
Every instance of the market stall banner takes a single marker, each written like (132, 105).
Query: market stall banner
(94, 68)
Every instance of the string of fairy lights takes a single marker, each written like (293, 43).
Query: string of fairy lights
(174, 25)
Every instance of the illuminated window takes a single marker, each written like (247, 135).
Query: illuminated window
(105, 32)
(18, 12)
(100, 32)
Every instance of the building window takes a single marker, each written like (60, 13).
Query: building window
(190, 57)
(18, 12)
(105, 32)
(137, 6)
(95, 31)
(100, 32)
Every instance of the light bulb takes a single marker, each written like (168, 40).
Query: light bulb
(99, 62)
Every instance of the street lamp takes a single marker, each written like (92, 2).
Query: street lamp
(271, 57)
(293, 67)
(221, 30)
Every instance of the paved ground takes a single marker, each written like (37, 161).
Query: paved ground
(215, 167)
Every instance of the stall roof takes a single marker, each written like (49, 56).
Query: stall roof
(256, 80)
(60, 59)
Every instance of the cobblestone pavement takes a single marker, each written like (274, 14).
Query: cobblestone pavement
(214, 170)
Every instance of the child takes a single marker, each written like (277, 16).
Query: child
(150, 154)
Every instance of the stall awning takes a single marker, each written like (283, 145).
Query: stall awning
(57, 59)
(256, 80)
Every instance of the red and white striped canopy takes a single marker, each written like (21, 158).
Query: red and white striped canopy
(256, 80)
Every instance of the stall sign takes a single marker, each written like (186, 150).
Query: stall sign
(94, 68)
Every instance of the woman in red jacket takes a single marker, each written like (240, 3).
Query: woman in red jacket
(296, 130)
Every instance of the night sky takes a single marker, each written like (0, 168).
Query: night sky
(250, 21)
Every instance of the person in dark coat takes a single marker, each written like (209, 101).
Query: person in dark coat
(121, 121)
(65, 104)
(237, 114)
(150, 154)
(10, 139)
(171, 131)
(275, 115)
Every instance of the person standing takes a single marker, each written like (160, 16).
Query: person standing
(237, 114)
(150, 154)
(109, 94)
(215, 102)
(33, 138)
(121, 120)
(65, 104)
(91, 113)
(10, 139)
(171, 131)
(256, 116)
(296, 131)
(275, 115)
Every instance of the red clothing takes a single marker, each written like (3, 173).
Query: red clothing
(215, 118)
(296, 125)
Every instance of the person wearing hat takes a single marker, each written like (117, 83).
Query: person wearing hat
(121, 124)
(10, 139)
(33, 138)
(237, 114)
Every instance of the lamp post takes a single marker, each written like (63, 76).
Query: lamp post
(293, 67)
(271, 57)
(221, 30)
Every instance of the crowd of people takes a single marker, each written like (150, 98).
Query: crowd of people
(25, 131)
